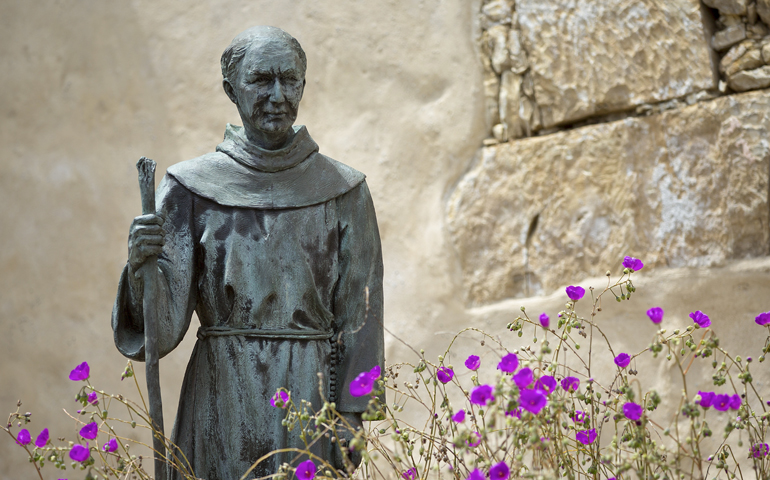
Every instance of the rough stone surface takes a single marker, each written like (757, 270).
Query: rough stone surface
(510, 103)
(688, 187)
(587, 61)
(728, 7)
(766, 53)
(728, 37)
(749, 60)
(750, 79)
(736, 52)
(763, 10)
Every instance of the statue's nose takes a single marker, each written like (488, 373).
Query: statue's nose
(276, 92)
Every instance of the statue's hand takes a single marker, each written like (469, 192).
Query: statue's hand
(145, 238)
(354, 419)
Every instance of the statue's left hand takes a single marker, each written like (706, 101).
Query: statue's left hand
(354, 419)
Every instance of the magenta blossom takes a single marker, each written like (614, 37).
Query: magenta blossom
(499, 471)
(763, 319)
(509, 363)
(110, 446)
(459, 417)
(633, 263)
(632, 411)
(735, 402)
(655, 314)
(759, 450)
(279, 399)
(93, 399)
(523, 378)
(362, 384)
(706, 399)
(375, 372)
(545, 321)
(700, 318)
(722, 402)
(23, 438)
(81, 372)
(79, 453)
(410, 474)
(42, 439)
(305, 470)
(516, 412)
(533, 400)
(473, 362)
(575, 293)
(476, 474)
(445, 374)
(546, 383)
(570, 384)
(623, 360)
(474, 440)
(586, 437)
(580, 416)
(482, 395)
(90, 431)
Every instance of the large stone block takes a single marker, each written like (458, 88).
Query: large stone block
(687, 187)
(590, 58)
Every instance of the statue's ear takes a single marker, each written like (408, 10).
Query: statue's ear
(230, 91)
(304, 82)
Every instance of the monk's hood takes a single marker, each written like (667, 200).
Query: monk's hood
(240, 174)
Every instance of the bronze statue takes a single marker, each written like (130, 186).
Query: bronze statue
(273, 245)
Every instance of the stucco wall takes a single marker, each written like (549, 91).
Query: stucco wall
(395, 89)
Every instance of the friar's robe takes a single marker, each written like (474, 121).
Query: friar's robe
(274, 251)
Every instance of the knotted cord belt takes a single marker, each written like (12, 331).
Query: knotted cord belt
(207, 332)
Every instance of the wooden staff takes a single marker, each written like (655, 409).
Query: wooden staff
(148, 273)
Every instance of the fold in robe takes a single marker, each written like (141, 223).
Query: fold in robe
(294, 275)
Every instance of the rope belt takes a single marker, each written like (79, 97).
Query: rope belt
(204, 333)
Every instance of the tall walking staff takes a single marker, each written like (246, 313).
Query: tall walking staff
(148, 273)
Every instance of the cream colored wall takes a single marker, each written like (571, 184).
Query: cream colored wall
(394, 89)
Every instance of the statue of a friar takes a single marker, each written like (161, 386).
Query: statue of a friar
(274, 246)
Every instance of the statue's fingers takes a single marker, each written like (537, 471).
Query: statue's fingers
(152, 229)
(150, 240)
(148, 250)
(149, 219)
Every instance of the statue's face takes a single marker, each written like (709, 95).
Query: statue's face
(269, 87)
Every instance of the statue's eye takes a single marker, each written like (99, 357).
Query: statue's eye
(262, 79)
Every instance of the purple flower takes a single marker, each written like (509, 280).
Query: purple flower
(655, 314)
(509, 363)
(533, 400)
(523, 378)
(722, 402)
(305, 470)
(633, 263)
(362, 384)
(586, 437)
(580, 416)
(482, 395)
(459, 417)
(81, 372)
(632, 411)
(79, 453)
(570, 383)
(499, 471)
(575, 293)
(473, 443)
(111, 446)
(23, 438)
(735, 402)
(476, 475)
(516, 412)
(410, 474)
(763, 319)
(546, 383)
(700, 318)
(279, 399)
(42, 439)
(759, 450)
(445, 375)
(706, 399)
(93, 399)
(90, 431)
(375, 372)
(473, 362)
(545, 321)
(623, 360)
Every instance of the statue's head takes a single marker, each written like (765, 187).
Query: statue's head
(264, 75)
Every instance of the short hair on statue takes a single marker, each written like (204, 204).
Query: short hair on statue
(234, 53)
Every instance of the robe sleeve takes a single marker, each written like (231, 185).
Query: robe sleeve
(176, 280)
(361, 344)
